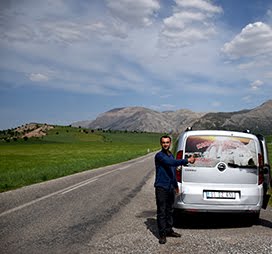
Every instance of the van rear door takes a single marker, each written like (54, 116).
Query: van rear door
(221, 159)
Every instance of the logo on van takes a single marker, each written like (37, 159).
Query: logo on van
(221, 166)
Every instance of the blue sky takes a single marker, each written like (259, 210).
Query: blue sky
(70, 60)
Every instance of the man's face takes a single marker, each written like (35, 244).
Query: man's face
(165, 143)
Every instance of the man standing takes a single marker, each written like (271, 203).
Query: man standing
(166, 187)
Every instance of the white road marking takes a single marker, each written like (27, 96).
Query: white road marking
(124, 167)
(143, 160)
(62, 191)
(29, 203)
(80, 185)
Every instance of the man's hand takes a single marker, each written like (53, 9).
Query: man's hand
(191, 159)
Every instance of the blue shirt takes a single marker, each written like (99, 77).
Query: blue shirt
(166, 170)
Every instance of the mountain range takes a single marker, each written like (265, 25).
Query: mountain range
(257, 120)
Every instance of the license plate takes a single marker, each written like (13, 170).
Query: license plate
(220, 194)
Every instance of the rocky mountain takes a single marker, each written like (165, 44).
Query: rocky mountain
(142, 119)
(258, 120)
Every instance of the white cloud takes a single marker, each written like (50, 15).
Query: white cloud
(163, 107)
(27, 21)
(180, 19)
(254, 40)
(186, 37)
(269, 15)
(247, 98)
(106, 28)
(201, 5)
(216, 104)
(256, 84)
(247, 65)
(38, 77)
(116, 51)
(269, 75)
(55, 21)
(190, 23)
(209, 89)
(135, 13)
(251, 52)
(168, 106)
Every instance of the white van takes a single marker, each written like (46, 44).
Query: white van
(227, 176)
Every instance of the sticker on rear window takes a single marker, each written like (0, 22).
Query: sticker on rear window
(209, 150)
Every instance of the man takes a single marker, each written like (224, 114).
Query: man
(166, 187)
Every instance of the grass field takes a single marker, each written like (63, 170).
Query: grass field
(68, 150)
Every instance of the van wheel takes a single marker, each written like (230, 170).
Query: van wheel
(254, 217)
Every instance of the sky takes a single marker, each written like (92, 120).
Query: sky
(64, 61)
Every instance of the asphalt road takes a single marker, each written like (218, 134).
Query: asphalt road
(61, 216)
(112, 210)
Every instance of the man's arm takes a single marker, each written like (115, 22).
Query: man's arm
(169, 161)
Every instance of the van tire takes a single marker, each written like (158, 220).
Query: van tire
(254, 217)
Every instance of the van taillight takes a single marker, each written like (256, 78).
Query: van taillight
(261, 168)
(179, 168)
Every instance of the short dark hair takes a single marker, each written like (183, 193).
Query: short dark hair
(165, 136)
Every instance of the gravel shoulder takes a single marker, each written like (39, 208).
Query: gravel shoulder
(134, 230)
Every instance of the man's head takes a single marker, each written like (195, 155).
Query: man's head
(165, 142)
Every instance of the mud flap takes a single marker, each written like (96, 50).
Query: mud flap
(266, 198)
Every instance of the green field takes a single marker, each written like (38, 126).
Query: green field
(68, 150)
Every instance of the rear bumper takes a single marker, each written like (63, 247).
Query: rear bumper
(192, 199)
(217, 208)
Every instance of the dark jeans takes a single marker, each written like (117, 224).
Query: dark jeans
(165, 201)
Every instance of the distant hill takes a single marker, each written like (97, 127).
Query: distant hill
(142, 119)
(257, 120)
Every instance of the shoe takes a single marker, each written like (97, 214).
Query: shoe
(162, 240)
(173, 234)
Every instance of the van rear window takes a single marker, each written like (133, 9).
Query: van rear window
(209, 150)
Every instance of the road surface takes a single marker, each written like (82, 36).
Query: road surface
(112, 210)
